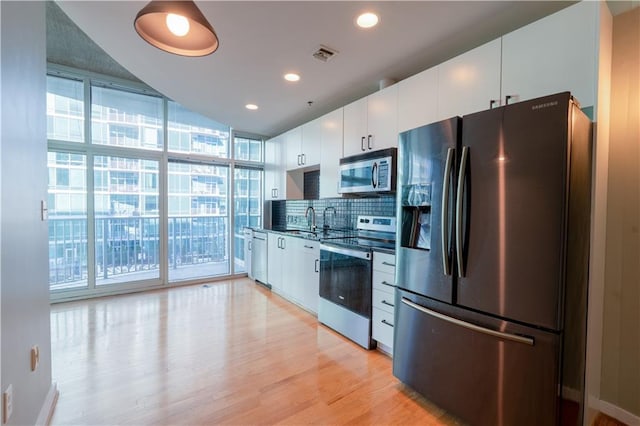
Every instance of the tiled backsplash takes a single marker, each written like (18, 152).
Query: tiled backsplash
(290, 214)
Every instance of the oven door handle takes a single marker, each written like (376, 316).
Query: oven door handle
(347, 252)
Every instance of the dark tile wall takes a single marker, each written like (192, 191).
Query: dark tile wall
(290, 214)
(312, 185)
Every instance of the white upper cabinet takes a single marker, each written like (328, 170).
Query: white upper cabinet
(468, 82)
(303, 145)
(418, 100)
(274, 171)
(382, 118)
(355, 127)
(331, 153)
(554, 54)
(311, 143)
(371, 123)
(293, 148)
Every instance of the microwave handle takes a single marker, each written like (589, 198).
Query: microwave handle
(374, 175)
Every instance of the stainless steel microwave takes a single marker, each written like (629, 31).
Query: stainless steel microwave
(372, 172)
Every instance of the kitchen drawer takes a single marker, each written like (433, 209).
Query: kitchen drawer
(383, 300)
(383, 327)
(384, 281)
(384, 262)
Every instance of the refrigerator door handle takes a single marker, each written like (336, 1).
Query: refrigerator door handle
(444, 224)
(461, 175)
(499, 334)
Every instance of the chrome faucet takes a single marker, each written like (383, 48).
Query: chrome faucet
(313, 217)
(325, 226)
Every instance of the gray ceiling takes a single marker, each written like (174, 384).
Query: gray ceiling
(262, 40)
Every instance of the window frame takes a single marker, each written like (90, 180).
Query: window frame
(163, 157)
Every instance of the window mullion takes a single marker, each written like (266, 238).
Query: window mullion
(91, 222)
(163, 203)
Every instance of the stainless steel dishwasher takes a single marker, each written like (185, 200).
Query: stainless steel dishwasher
(259, 257)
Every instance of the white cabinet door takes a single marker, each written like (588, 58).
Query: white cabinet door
(293, 148)
(382, 119)
(311, 142)
(309, 278)
(469, 82)
(274, 171)
(290, 275)
(418, 100)
(331, 153)
(554, 54)
(275, 256)
(355, 127)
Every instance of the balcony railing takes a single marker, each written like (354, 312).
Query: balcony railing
(128, 248)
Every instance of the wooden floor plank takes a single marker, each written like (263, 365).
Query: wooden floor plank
(227, 353)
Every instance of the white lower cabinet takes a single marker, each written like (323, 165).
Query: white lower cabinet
(294, 269)
(276, 255)
(308, 282)
(383, 302)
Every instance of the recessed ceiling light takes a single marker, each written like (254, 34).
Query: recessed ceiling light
(292, 77)
(252, 107)
(367, 20)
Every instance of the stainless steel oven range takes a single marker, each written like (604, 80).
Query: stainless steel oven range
(345, 278)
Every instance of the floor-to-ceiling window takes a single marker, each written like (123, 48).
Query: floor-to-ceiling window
(146, 192)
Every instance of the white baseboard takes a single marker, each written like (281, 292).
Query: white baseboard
(46, 412)
(614, 411)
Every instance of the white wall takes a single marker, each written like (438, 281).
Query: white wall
(25, 313)
(620, 379)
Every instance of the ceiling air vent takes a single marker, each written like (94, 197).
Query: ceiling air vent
(324, 53)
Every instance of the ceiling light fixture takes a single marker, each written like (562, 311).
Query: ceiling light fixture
(176, 27)
(251, 107)
(292, 77)
(367, 20)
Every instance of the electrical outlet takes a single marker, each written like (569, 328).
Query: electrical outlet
(35, 357)
(7, 404)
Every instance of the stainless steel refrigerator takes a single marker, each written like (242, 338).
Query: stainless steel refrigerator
(493, 214)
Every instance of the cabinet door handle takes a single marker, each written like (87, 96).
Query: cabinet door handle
(386, 283)
(387, 322)
(250, 245)
(389, 264)
(279, 240)
(362, 144)
(306, 246)
(316, 265)
(304, 159)
(369, 141)
(284, 243)
(299, 160)
(507, 99)
(384, 302)
(492, 103)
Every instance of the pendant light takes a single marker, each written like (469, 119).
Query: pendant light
(176, 27)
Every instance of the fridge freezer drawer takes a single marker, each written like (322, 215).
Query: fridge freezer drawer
(480, 369)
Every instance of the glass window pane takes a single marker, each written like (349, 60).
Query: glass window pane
(67, 204)
(247, 149)
(198, 222)
(190, 132)
(127, 220)
(248, 209)
(65, 109)
(120, 118)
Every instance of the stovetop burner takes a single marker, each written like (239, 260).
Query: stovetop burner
(372, 232)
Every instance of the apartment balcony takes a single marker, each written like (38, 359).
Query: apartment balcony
(128, 249)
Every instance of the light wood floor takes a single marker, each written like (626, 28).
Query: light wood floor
(229, 353)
